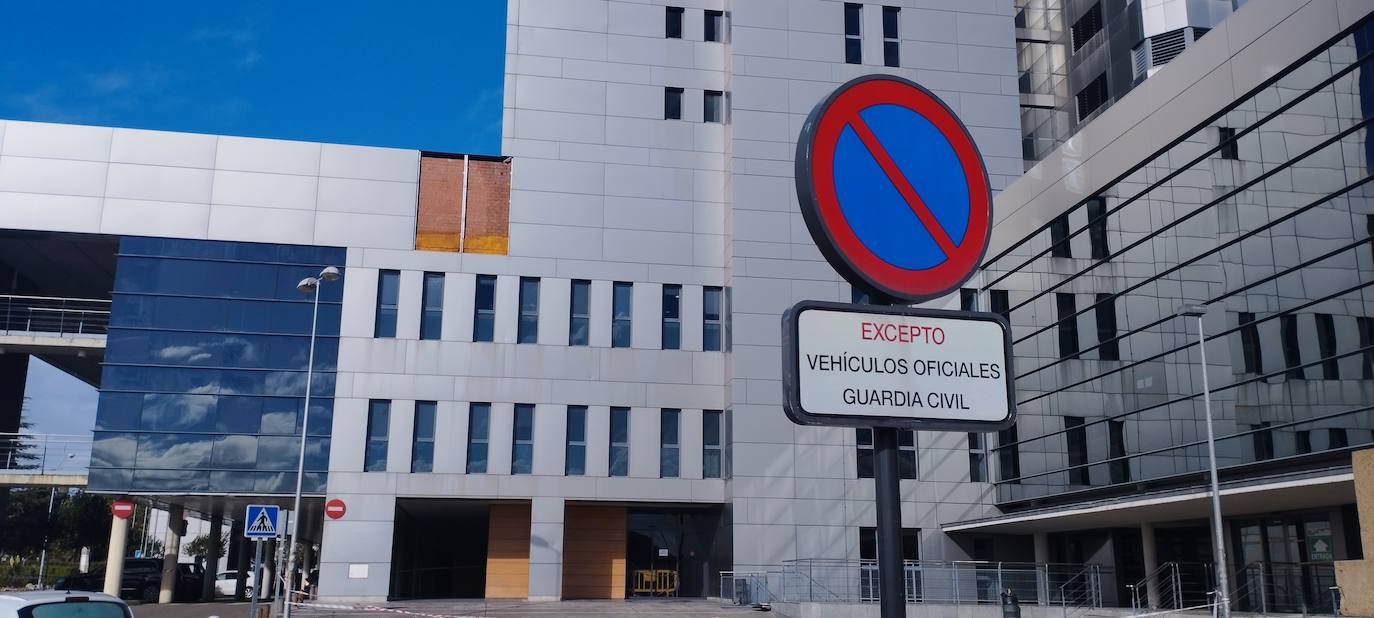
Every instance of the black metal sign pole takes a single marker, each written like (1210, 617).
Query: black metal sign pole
(891, 579)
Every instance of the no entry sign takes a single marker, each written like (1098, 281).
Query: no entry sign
(893, 189)
(335, 508)
(869, 366)
(122, 508)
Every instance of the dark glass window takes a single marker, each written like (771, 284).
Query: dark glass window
(1303, 441)
(522, 440)
(378, 426)
(528, 329)
(713, 106)
(432, 314)
(579, 312)
(1336, 438)
(858, 296)
(711, 444)
(1092, 96)
(422, 448)
(484, 309)
(1076, 437)
(1292, 354)
(977, 458)
(622, 302)
(1250, 344)
(672, 103)
(388, 291)
(1097, 228)
(1263, 441)
(620, 442)
(863, 439)
(868, 544)
(1059, 237)
(1008, 456)
(672, 27)
(672, 317)
(1326, 342)
(1230, 148)
(711, 319)
(575, 455)
(853, 44)
(1107, 343)
(1000, 303)
(669, 458)
(714, 26)
(1116, 448)
(968, 299)
(479, 432)
(1366, 326)
(906, 453)
(1087, 26)
(891, 39)
(1068, 325)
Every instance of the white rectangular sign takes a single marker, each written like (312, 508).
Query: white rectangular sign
(897, 366)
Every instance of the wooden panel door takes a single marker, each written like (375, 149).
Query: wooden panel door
(594, 552)
(508, 552)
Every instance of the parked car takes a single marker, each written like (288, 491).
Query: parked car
(54, 604)
(142, 580)
(226, 581)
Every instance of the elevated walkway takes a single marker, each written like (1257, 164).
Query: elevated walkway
(68, 333)
(44, 460)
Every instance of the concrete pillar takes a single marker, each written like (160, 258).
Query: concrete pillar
(207, 588)
(1353, 576)
(1042, 559)
(114, 560)
(171, 547)
(1152, 583)
(245, 552)
(546, 549)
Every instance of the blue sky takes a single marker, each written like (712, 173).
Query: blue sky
(414, 74)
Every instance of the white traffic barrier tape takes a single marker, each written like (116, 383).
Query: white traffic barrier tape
(373, 608)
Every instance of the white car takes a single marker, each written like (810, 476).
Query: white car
(227, 580)
(62, 604)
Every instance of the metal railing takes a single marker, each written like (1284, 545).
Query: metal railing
(820, 580)
(39, 453)
(1168, 589)
(48, 314)
(1285, 587)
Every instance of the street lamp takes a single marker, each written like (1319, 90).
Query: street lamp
(1218, 546)
(308, 285)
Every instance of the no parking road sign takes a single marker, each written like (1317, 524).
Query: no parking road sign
(893, 189)
(262, 521)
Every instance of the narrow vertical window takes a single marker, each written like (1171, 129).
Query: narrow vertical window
(1008, 456)
(711, 319)
(1107, 343)
(1263, 441)
(484, 309)
(977, 458)
(853, 44)
(1119, 468)
(672, 103)
(528, 329)
(672, 27)
(1000, 303)
(479, 430)
(713, 106)
(1366, 326)
(968, 299)
(1292, 353)
(714, 29)
(863, 441)
(1230, 148)
(710, 444)
(422, 444)
(620, 442)
(1076, 437)
(1068, 325)
(891, 38)
(522, 440)
(1059, 237)
(1097, 228)
(906, 454)
(388, 291)
(1326, 342)
(432, 307)
(575, 456)
(1303, 441)
(378, 426)
(622, 301)
(1250, 344)
(579, 312)
(1336, 438)
(672, 317)
(669, 460)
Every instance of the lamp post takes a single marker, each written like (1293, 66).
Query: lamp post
(308, 285)
(1218, 544)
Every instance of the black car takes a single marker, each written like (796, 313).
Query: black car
(142, 580)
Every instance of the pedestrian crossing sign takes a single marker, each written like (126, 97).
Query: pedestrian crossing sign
(261, 521)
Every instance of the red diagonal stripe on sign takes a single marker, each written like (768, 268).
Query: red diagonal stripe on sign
(908, 192)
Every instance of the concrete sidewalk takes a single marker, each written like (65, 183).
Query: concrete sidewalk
(676, 608)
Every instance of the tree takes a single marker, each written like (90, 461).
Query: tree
(83, 520)
(200, 546)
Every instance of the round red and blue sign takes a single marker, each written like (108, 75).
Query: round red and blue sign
(893, 189)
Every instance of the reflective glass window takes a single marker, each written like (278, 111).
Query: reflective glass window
(528, 329)
(378, 428)
(173, 451)
(282, 452)
(432, 307)
(579, 312)
(622, 302)
(484, 309)
(620, 442)
(235, 452)
(422, 443)
(479, 431)
(672, 317)
(711, 319)
(669, 460)
(711, 444)
(522, 440)
(575, 456)
(113, 449)
(388, 294)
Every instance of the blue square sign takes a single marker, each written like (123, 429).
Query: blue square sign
(262, 521)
